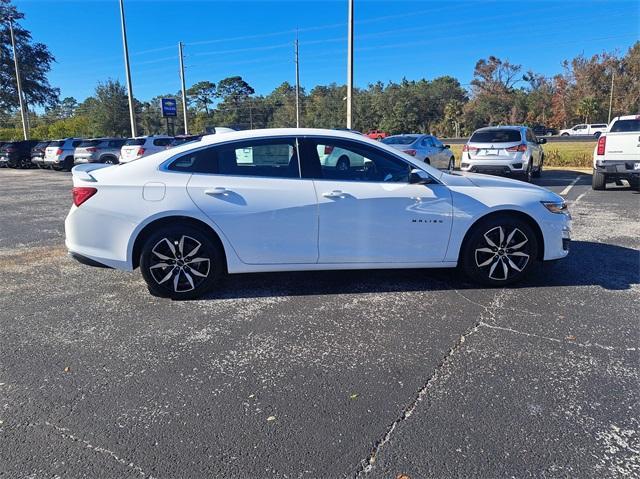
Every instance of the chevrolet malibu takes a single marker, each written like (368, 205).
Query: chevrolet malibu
(262, 200)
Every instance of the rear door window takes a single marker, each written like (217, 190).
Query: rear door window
(498, 135)
(162, 141)
(56, 144)
(87, 143)
(76, 143)
(274, 158)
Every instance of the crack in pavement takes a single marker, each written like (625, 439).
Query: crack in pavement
(366, 465)
(66, 434)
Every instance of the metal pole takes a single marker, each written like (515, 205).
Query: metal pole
(613, 74)
(25, 127)
(132, 113)
(350, 67)
(297, 84)
(184, 90)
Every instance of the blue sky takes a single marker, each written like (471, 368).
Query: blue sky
(254, 39)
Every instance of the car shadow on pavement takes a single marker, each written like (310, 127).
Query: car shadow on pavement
(589, 264)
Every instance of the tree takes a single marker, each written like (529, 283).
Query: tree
(202, 94)
(234, 92)
(35, 62)
(111, 109)
(587, 108)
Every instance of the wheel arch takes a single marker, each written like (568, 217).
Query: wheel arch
(512, 213)
(157, 223)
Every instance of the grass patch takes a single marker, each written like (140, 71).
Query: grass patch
(569, 154)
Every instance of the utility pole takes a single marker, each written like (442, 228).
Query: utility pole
(350, 67)
(132, 113)
(25, 126)
(297, 84)
(184, 91)
(613, 74)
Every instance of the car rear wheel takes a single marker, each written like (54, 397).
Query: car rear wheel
(452, 164)
(111, 160)
(528, 174)
(181, 262)
(343, 163)
(499, 251)
(634, 182)
(598, 180)
(427, 161)
(538, 172)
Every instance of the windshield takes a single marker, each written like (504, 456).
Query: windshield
(621, 126)
(42, 144)
(135, 142)
(498, 135)
(399, 140)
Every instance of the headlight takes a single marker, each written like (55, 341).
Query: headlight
(559, 207)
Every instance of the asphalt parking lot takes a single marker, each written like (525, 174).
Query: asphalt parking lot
(336, 374)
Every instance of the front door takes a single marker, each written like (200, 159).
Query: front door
(371, 213)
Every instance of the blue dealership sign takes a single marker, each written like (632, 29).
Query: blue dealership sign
(169, 107)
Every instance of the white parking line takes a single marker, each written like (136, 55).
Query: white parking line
(568, 188)
(579, 198)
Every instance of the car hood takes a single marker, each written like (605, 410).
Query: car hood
(488, 181)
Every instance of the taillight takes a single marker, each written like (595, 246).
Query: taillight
(92, 149)
(469, 148)
(410, 152)
(10, 149)
(328, 149)
(602, 143)
(59, 151)
(82, 194)
(519, 148)
(141, 151)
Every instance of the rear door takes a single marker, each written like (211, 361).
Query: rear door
(372, 214)
(253, 191)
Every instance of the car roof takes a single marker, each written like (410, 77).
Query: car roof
(502, 127)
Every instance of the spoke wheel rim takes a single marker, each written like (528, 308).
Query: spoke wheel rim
(179, 264)
(503, 252)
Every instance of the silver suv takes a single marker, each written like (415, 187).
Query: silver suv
(59, 154)
(504, 150)
(99, 150)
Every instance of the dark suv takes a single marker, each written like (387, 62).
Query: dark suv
(37, 154)
(17, 154)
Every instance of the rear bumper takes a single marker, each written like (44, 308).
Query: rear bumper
(617, 168)
(495, 166)
(87, 261)
(37, 160)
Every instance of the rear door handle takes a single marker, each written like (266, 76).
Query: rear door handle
(333, 194)
(218, 190)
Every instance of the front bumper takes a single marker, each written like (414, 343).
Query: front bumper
(37, 160)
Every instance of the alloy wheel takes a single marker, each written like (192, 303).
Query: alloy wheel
(177, 265)
(503, 253)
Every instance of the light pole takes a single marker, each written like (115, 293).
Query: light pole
(350, 67)
(613, 74)
(297, 84)
(25, 126)
(132, 113)
(184, 91)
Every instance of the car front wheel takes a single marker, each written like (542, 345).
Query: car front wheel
(499, 251)
(181, 262)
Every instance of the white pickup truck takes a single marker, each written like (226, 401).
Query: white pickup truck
(593, 129)
(617, 154)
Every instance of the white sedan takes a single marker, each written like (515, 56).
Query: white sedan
(262, 200)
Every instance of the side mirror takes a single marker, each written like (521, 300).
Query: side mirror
(542, 141)
(419, 177)
(446, 147)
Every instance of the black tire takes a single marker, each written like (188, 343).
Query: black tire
(634, 182)
(528, 174)
(565, 134)
(538, 172)
(598, 181)
(427, 161)
(343, 163)
(499, 251)
(111, 160)
(181, 279)
(452, 164)
(25, 163)
(67, 164)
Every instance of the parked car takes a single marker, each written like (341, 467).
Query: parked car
(541, 130)
(595, 129)
(99, 150)
(17, 154)
(504, 150)
(426, 148)
(190, 214)
(135, 148)
(376, 134)
(59, 154)
(37, 154)
(617, 154)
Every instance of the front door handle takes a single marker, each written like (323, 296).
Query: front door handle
(333, 194)
(218, 190)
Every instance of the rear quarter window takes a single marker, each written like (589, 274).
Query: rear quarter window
(162, 141)
(56, 143)
(135, 142)
(625, 126)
